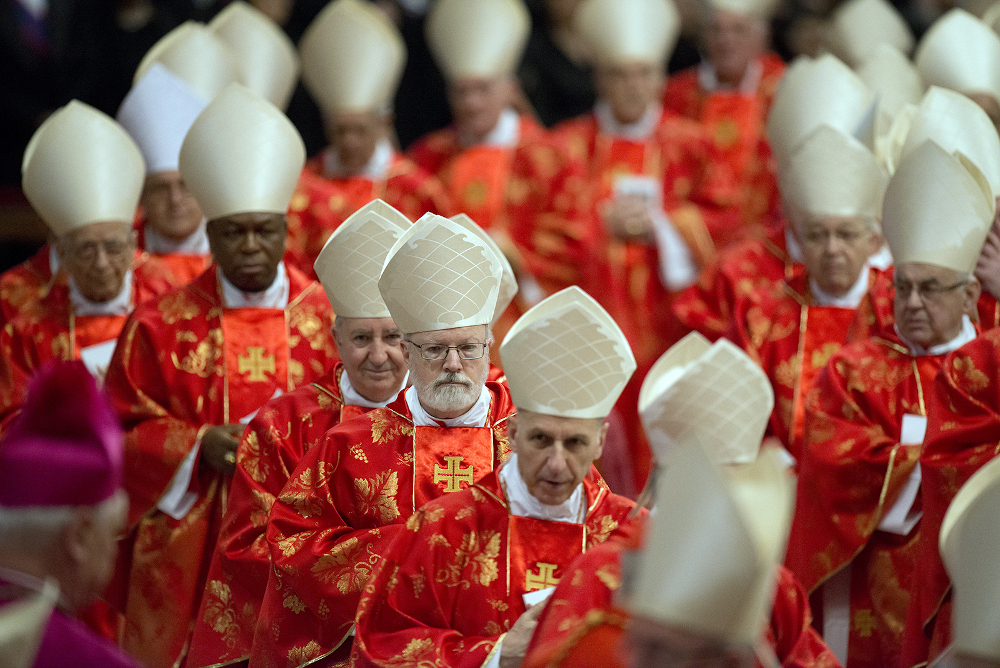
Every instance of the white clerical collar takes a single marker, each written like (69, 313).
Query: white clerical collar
(194, 244)
(505, 134)
(849, 299)
(351, 397)
(523, 504)
(120, 304)
(792, 246)
(53, 259)
(967, 334)
(376, 169)
(474, 417)
(638, 131)
(710, 83)
(276, 296)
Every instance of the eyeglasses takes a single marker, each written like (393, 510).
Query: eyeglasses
(821, 237)
(87, 251)
(928, 291)
(435, 352)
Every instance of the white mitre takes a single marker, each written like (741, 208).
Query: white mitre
(195, 54)
(157, 113)
(713, 393)
(628, 31)
(352, 58)
(858, 27)
(566, 357)
(962, 53)
(440, 275)
(241, 155)
(893, 77)
(81, 167)
(508, 283)
(351, 261)
(938, 209)
(484, 38)
(23, 624)
(267, 61)
(708, 564)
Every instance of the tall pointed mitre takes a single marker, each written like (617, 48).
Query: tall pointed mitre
(760, 8)
(508, 283)
(628, 31)
(352, 58)
(81, 167)
(351, 261)
(241, 155)
(956, 123)
(938, 209)
(484, 38)
(968, 542)
(832, 175)
(267, 61)
(195, 54)
(566, 357)
(962, 53)
(858, 27)
(893, 78)
(440, 275)
(713, 393)
(814, 92)
(23, 623)
(708, 565)
(157, 113)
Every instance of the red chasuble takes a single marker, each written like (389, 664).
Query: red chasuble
(582, 626)
(452, 581)
(276, 439)
(320, 204)
(175, 373)
(176, 269)
(25, 284)
(348, 495)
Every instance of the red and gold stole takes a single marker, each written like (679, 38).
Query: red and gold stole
(255, 341)
(538, 551)
(88, 330)
(449, 459)
(733, 122)
(477, 179)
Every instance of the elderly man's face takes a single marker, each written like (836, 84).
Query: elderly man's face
(97, 257)
(554, 453)
(355, 136)
(449, 386)
(732, 42)
(94, 546)
(476, 103)
(248, 248)
(652, 644)
(372, 356)
(930, 302)
(630, 89)
(170, 208)
(835, 250)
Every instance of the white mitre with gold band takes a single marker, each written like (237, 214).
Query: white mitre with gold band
(858, 27)
(508, 283)
(195, 54)
(241, 155)
(832, 175)
(713, 393)
(23, 623)
(484, 38)
(81, 167)
(962, 53)
(566, 357)
(893, 77)
(814, 92)
(352, 58)
(440, 275)
(628, 31)
(351, 261)
(938, 209)
(267, 61)
(708, 564)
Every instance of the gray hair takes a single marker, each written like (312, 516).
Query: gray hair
(35, 528)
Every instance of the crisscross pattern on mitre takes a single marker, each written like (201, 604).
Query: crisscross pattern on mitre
(355, 263)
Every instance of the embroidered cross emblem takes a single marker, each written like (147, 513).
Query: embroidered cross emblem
(543, 579)
(256, 363)
(451, 475)
(864, 622)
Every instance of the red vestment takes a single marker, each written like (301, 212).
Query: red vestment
(453, 581)
(179, 269)
(25, 284)
(185, 363)
(321, 203)
(348, 495)
(582, 626)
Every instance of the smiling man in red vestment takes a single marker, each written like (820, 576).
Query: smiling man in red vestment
(192, 367)
(456, 587)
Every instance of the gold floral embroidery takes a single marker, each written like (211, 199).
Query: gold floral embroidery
(975, 380)
(185, 336)
(478, 552)
(358, 452)
(385, 427)
(343, 569)
(415, 649)
(603, 530)
(787, 371)
(176, 306)
(299, 655)
(822, 356)
(200, 361)
(608, 575)
(291, 545)
(61, 349)
(293, 603)
(376, 496)
(219, 613)
(296, 373)
(249, 458)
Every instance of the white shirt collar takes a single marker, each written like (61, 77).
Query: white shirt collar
(505, 133)
(967, 334)
(53, 259)
(638, 131)
(849, 299)
(276, 296)
(474, 417)
(351, 397)
(523, 504)
(120, 304)
(709, 82)
(376, 169)
(195, 244)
